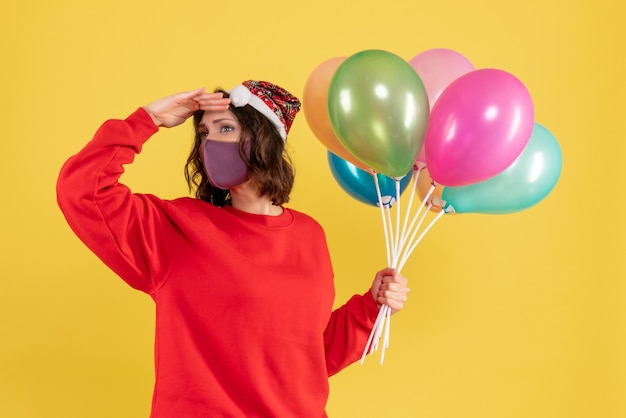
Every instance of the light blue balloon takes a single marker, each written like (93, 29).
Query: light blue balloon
(526, 182)
(360, 184)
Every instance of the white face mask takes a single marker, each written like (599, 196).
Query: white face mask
(223, 164)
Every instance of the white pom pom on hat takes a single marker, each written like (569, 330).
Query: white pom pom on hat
(240, 96)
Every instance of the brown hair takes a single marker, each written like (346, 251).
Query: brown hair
(269, 165)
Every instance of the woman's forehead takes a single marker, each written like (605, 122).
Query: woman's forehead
(209, 118)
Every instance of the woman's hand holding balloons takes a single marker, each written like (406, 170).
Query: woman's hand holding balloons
(390, 288)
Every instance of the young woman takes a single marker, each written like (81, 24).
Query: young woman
(243, 285)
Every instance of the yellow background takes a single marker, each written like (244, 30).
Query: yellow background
(519, 315)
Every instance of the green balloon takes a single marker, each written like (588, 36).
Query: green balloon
(378, 108)
(526, 182)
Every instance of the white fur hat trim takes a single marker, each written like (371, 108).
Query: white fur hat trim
(241, 96)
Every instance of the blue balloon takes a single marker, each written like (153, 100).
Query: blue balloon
(526, 182)
(360, 184)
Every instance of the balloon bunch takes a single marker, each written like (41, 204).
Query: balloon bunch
(465, 136)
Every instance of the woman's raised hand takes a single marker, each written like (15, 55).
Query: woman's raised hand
(173, 110)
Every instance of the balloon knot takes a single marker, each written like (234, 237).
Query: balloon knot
(386, 201)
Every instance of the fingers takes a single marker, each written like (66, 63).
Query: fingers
(393, 290)
(199, 99)
(212, 102)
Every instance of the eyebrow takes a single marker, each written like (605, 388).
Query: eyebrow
(217, 121)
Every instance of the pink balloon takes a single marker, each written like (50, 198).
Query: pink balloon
(478, 127)
(438, 68)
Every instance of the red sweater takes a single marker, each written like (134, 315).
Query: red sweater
(244, 326)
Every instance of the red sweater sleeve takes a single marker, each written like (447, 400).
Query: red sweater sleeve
(348, 330)
(119, 227)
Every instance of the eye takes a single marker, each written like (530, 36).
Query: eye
(203, 134)
(227, 128)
